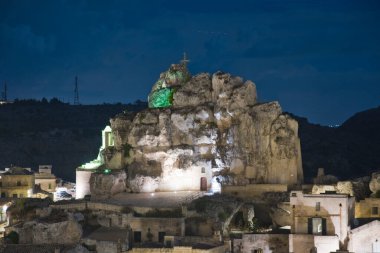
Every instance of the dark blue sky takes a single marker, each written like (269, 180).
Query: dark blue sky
(320, 59)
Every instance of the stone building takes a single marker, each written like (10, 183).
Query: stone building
(327, 217)
(84, 172)
(155, 229)
(45, 179)
(367, 208)
(16, 182)
(145, 229)
(108, 240)
(262, 243)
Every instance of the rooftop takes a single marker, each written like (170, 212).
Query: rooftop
(17, 171)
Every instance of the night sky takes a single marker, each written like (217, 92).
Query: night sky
(320, 59)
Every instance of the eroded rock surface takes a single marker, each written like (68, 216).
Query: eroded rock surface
(357, 188)
(374, 184)
(106, 185)
(63, 232)
(213, 132)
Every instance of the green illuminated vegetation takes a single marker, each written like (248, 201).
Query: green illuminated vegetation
(104, 171)
(161, 98)
(163, 90)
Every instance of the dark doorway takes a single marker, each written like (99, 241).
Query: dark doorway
(239, 220)
(137, 236)
(161, 236)
(203, 184)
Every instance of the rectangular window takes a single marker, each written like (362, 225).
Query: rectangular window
(317, 226)
(137, 236)
(203, 170)
(21, 195)
(18, 183)
(15, 195)
(161, 236)
(318, 206)
(375, 210)
(49, 186)
(294, 194)
(3, 195)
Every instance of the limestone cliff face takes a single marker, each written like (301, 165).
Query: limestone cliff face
(214, 132)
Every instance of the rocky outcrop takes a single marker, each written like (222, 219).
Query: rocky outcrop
(374, 184)
(357, 188)
(210, 130)
(62, 232)
(280, 214)
(104, 185)
(361, 187)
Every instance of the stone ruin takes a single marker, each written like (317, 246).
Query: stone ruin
(203, 131)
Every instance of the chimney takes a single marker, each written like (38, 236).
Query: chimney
(321, 172)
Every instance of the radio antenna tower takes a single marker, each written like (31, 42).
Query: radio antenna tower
(76, 92)
(5, 98)
(4, 93)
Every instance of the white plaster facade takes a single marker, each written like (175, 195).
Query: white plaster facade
(302, 243)
(335, 211)
(365, 238)
(83, 173)
(82, 183)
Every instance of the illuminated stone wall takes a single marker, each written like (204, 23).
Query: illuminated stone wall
(364, 208)
(83, 183)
